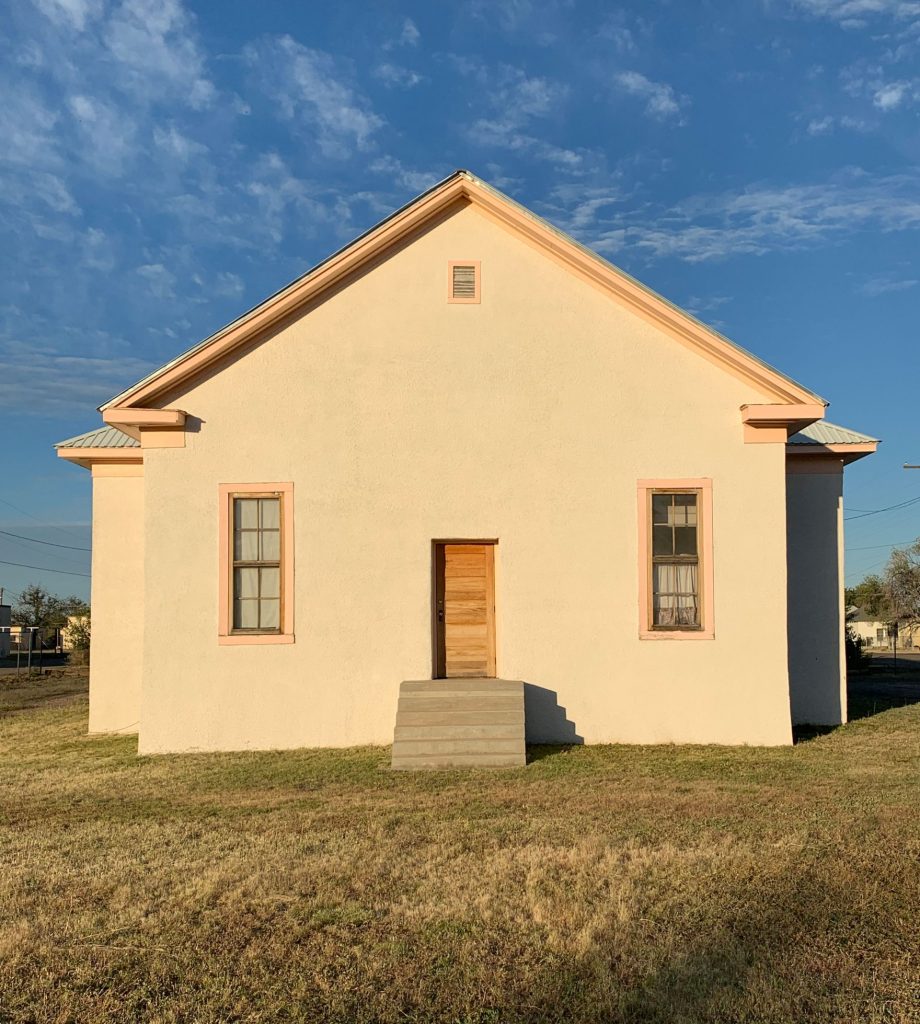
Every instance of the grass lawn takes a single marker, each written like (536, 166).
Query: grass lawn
(670, 884)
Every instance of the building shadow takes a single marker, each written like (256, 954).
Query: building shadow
(867, 695)
(546, 722)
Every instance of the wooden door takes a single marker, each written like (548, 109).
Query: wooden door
(465, 610)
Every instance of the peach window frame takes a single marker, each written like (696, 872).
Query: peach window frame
(225, 634)
(643, 491)
(477, 277)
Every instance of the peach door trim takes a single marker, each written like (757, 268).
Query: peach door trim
(224, 635)
(705, 530)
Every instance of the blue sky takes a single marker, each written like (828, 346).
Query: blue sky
(167, 165)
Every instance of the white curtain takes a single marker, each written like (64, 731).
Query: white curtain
(677, 595)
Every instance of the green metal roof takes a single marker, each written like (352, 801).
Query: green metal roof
(102, 437)
(823, 432)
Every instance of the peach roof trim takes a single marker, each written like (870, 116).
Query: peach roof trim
(464, 187)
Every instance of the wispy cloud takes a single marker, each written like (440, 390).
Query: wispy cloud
(885, 284)
(855, 13)
(762, 219)
(410, 35)
(73, 13)
(413, 180)
(314, 89)
(48, 381)
(395, 76)
(515, 101)
(890, 95)
(661, 101)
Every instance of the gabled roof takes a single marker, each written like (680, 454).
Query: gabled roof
(103, 437)
(462, 187)
(825, 433)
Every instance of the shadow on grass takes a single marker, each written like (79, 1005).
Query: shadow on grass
(866, 697)
(541, 751)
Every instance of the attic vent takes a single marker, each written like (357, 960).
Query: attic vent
(463, 282)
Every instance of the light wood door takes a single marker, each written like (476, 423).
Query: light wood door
(465, 610)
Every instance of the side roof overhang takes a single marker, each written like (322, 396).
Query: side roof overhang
(103, 446)
(129, 410)
(824, 444)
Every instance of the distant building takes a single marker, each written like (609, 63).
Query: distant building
(877, 635)
(67, 641)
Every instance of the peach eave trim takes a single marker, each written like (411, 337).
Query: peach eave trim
(89, 457)
(225, 556)
(463, 188)
(772, 424)
(145, 424)
(704, 486)
(843, 454)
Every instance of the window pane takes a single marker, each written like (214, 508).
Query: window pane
(246, 546)
(662, 540)
(685, 540)
(271, 582)
(661, 508)
(271, 546)
(246, 513)
(685, 510)
(675, 595)
(271, 513)
(245, 614)
(246, 583)
(269, 614)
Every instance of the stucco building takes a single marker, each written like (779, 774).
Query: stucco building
(465, 446)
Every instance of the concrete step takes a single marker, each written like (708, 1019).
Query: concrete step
(442, 761)
(469, 717)
(464, 685)
(449, 723)
(451, 731)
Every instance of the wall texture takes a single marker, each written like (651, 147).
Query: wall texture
(401, 419)
(817, 671)
(117, 600)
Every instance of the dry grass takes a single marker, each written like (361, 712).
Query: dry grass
(598, 884)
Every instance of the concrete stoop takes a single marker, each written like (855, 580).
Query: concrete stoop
(460, 723)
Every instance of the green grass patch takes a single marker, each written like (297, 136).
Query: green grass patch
(618, 883)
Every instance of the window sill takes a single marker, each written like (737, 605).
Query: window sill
(243, 639)
(677, 634)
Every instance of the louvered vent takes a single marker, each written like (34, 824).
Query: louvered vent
(463, 282)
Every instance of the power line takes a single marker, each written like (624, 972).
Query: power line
(44, 568)
(875, 547)
(22, 511)
(890, 508)
(50, 543)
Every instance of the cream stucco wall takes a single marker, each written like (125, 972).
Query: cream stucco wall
(401, 419)
(817, 669)
(117, 600)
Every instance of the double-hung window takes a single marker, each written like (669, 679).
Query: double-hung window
(675, 539)
(257, 563)
(675, 560)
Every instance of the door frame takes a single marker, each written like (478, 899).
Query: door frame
(438, 649)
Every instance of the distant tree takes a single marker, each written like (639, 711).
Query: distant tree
(871, 596)
(38, 607)
(74, 606)
(902, 583)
